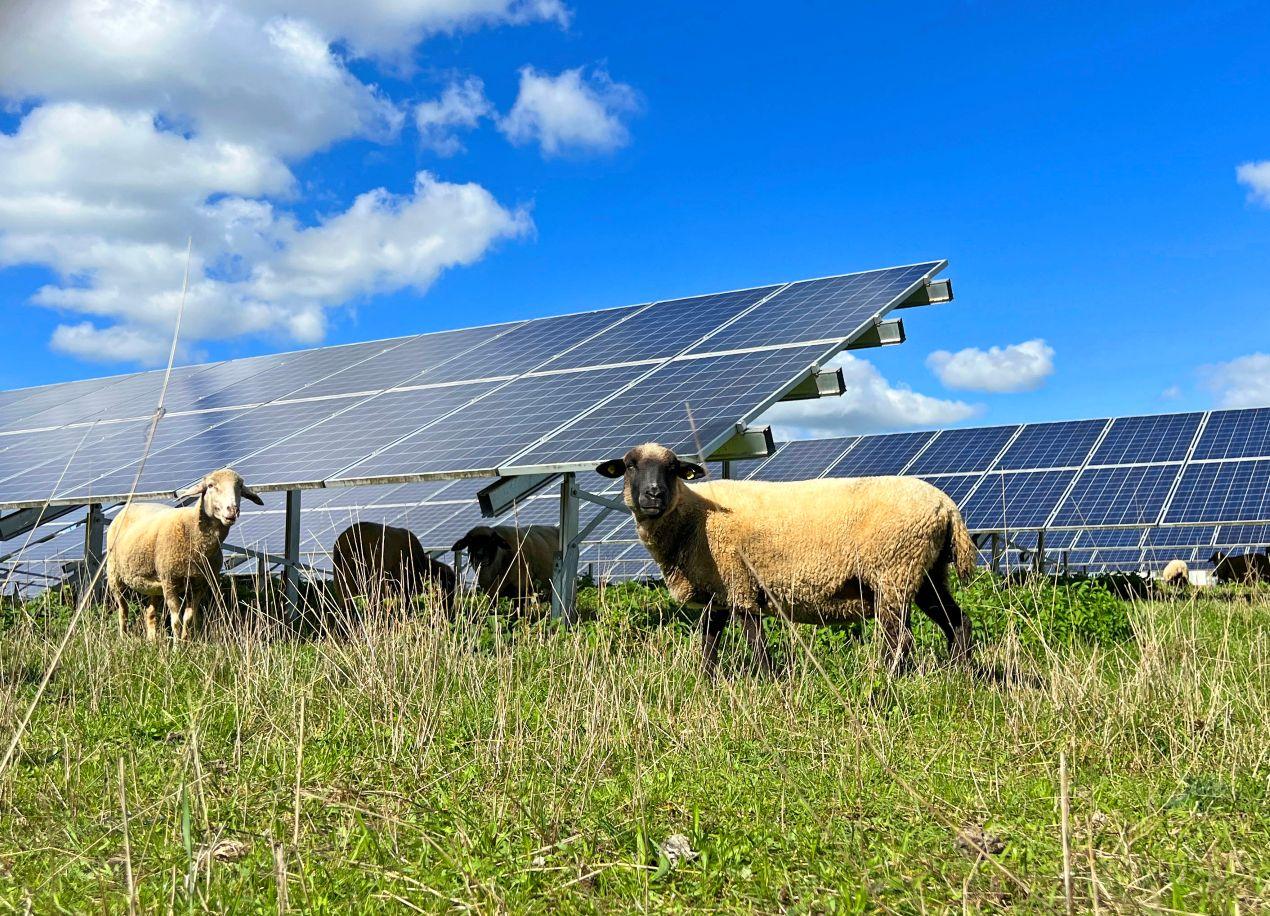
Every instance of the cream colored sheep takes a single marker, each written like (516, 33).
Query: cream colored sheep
(1176, 574)
(173, 556)
(817, 551)
(512, 562)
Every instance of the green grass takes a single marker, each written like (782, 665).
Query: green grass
(527, 768)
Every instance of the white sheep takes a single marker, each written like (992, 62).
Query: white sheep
(173, 556)
(512, 562)
(1176, 574)
(816, 551)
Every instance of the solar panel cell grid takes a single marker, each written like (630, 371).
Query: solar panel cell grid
(719, 389)
(957, 486)
(803, 460)
(1111, 537)
(819, 309)
(879, 455)
(1180, 537)
(1023, 499)
(1117, 496)
(958, 450)
(1052, 445)
(661, 330)
(1145, 440)
(1235, 434)
(1228, 491)
(1257, 535)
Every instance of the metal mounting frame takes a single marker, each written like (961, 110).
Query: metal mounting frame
(822, 383)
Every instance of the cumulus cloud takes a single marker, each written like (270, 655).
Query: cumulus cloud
(147, 121)
(1256, 177)
(461, 106)
(573, 112)
(1242, 382)
(871, 404)
(1016, 367)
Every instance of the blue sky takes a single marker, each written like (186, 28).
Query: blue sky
(1076, 166)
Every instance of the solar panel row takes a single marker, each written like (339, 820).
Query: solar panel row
(504, 399)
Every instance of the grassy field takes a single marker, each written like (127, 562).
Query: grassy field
(436, 767)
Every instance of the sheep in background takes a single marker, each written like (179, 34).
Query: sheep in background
(378, 561)
(512, 562)
(1176, 574)
(1245, 569)
(817, 551)
(172, 557)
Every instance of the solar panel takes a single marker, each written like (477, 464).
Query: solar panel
(1235, 434)
(661, 330)
(681, 404)
(1117, 496)
(1110, 537)
(1020, 499)
(1242, 535)
(1147, 440)
(958, 450)
(957, 486)
(1052, 445)
(874, 456)
(1227, 491)
(803, 459)
(832, 308)
(1180, 537)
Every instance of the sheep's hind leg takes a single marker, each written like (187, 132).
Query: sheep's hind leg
(115, 589)
(713, 621)
(192, 619)
(937, 603)
(760, 656)
(154, 606)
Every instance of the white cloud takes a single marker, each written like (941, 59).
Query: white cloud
(871, 404)
(1171, 393)
(1256, 176)
(154, 120)
(1242, 382)
(571, 112)
(460, 106)
(1016, 367)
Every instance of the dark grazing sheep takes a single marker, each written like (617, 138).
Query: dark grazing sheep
(817, 551)
(1245, 569)
(512, 562)
(379, 562)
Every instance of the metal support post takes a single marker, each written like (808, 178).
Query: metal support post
(725, 470)
(564, 579)
(94, 551)
(996, 553)
(291, 571)
(1040, 552)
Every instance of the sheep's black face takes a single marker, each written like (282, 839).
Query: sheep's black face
(652, 474)
(489, 555)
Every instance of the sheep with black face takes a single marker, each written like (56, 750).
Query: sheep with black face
(172, 557)
(512, 562)
(816, 551)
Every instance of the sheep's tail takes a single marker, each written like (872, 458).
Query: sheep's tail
(964, 552)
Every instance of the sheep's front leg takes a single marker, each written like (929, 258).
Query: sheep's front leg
(192, 620)
(893, 626)
(121, 606)
(172, 599)
(754, 635)
(713, 622)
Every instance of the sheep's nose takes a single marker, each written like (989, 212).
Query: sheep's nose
(653, 490)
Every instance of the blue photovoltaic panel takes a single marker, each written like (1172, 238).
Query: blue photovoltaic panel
(959, 450)
(320, 452)
(73, 397)
(1052, 445)
(1227, 491)
(833, 308)
(489, 431)
(661, 330)
(720, 390)
(410, 361)
(1249, 535)
(1119, 557)
(1117, 496)
(1235, 434)
(1180, 537)
(957, 486)
(183, 453)
(876, 456)
(530, 346)
(1110, 537)
(1147, 440)
(1054, 540)
(803, 459)
(1023, 499)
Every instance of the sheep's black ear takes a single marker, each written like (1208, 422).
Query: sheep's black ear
(253, 496)
(612, 469)
(689, 471)
(462, 543)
